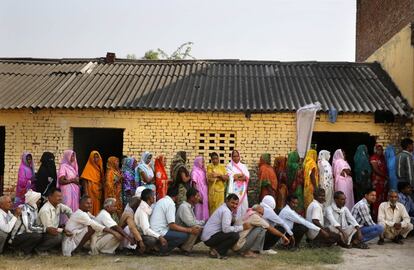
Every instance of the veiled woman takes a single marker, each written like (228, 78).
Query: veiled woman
(379, 177)
(362, 172)
(217, 178)
(326, 176)
(128, 172)
(93, 178)
(280, 166)
(199, 182)
(295, 177)
(180, 175)
(238, 182)
(342, 175)
(26, 178)
(267, 177)
(46, 176)
(161, 178)
(311, 176)
(144, 173)
(113, 183)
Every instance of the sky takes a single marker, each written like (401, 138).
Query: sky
(280, 30)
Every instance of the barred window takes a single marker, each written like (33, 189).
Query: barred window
(221, 142)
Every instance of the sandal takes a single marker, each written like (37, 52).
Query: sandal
(214, 254)
(360, 245)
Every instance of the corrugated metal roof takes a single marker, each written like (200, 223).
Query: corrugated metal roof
(197, 85)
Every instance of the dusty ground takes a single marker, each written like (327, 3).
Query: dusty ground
(388, 256)
(303, 259)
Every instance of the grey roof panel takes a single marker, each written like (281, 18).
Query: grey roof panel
(197, 85)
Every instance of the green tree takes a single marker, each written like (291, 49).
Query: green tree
(131, 56)
(182, 52)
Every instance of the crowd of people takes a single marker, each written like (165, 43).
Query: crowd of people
(140, 208)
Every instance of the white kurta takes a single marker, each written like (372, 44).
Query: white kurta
(104, 242)
(78, 225)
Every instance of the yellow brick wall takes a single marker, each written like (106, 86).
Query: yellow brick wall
(168, 132)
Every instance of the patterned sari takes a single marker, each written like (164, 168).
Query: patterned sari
(216, 186)
(379, 181)
(362, 169)
(295, 176)
(161, 177)
(128, 173)
(199, 182)
(26, 179)
(113, 183)
(267, 177)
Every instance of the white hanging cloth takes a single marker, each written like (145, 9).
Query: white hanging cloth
(305, 120)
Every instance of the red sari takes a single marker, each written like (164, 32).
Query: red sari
(379, 181)
(161, 178)
(280, 166)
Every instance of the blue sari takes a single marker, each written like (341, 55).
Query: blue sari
(391, 166)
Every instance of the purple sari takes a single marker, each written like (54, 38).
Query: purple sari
(25, 180)
(199, 182)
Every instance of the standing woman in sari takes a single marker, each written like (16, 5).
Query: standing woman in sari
(379, 177)
(180, 175)
(199, 182)
(238, 182)
(93, 178)
(325, 176)
(128, 173)
(144, 173)
(311, 176)
(342, 175)
(362, 169)
(113, 184)
(161, 177)
(391, 167)
(280, 166)
(68, 181)
(26, 178)
(46, 176)
(267, 177)
(217, 177)
(295, 177)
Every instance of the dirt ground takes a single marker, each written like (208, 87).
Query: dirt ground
(388, 256)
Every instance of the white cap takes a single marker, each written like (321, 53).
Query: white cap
(138, 191)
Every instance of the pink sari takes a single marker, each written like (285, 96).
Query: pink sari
(70, 192)
(199, 182)
(343, 183)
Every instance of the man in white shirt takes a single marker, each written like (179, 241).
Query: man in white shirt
(142, 215)
(340, 220)
(127, 223)
(106, 242)
(7, 219)
(49, 216)
(162, 222)
(220, 233)
(395, 219)
(296, 223)
(315, 214)
(82, 226)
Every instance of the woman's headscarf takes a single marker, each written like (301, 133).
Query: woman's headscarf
(362, 166)
(339, 163)
(31, 197)
(293, 167)
(198, 172)
(67, 154)
(143, 166)
(47, 169)
(160, 171)
(268, 201)
(93, 172)
(30, 168)
(178, 162)
(265, 159)
(324, 155)
(111, 165)
(128, 166)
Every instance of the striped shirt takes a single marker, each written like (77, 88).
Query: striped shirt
(361, 213)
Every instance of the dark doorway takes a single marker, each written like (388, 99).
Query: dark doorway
(107, 141)
(2, 149)
(348, 141)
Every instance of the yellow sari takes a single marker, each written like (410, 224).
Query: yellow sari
(216, 187)
(310, 165)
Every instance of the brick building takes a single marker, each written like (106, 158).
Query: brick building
(384, 33)
(126, 107)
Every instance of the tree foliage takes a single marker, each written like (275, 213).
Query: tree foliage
(181, 53)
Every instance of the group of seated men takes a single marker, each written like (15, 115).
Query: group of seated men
(145, 227)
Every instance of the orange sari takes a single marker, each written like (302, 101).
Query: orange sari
(267, 177)
(113, 183)
(93, 174)
(280, 167)
(161, 178)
